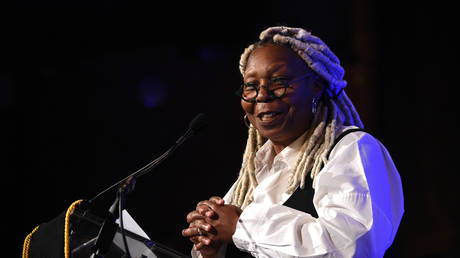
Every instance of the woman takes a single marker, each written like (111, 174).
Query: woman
(312, 183)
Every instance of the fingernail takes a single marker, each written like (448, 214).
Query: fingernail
(207, 241)
(209, 213)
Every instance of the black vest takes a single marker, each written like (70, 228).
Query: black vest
(301, 199)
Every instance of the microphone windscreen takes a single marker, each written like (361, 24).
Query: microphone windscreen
(198, 123)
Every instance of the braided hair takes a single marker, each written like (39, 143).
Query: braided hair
(334, 110)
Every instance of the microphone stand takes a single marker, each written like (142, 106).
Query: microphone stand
(109, 227)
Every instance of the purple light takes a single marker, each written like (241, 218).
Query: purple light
(152, 92)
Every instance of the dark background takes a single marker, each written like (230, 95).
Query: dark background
(90, 91)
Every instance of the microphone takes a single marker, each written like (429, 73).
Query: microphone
(195, 126)
(198, 123)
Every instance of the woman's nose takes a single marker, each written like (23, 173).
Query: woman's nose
(264, 94)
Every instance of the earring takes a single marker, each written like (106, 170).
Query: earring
(314, 105)
(246, 121)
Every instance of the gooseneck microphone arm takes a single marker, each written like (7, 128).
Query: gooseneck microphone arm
(195, 126)
(126, 185)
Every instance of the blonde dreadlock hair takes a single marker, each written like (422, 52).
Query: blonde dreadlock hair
(334, 110)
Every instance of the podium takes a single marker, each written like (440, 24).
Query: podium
(84, 230)
(86, 235)
(47, 240)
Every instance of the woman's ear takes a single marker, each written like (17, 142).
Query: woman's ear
(319, 85)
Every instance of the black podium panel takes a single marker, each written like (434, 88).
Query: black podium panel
(84, 230)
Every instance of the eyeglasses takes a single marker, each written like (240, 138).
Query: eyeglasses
(276, 87)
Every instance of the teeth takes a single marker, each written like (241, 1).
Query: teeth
(268, 115)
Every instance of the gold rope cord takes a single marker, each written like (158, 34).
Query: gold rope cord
(25, 249)
(66, 228)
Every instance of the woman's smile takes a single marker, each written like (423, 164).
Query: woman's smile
(268, 118)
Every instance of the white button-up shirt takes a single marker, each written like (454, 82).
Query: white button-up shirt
(358, 198)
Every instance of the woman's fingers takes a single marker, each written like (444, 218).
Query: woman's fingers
(193, 231)
(204, 210)
(217, 200)
(198, 228)
(200, 242)
(207, 208)
(210, 205)
(194, 215)
(197, 237)
(198, 246)
(200, 232)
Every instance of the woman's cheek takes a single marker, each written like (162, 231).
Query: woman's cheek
(247, 107)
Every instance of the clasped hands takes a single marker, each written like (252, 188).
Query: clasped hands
(211, 224)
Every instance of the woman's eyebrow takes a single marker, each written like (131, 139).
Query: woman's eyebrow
(270, 70)
(276, 67)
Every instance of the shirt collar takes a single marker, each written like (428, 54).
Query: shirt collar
(266, 155)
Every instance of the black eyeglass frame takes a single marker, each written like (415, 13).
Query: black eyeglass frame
(286, 85)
